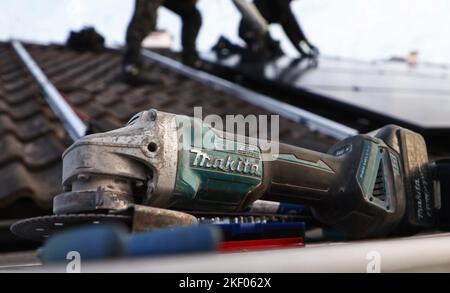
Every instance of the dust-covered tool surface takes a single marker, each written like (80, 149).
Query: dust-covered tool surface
(366, 186)
(33, 139)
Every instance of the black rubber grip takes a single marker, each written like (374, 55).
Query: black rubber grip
(301, 176)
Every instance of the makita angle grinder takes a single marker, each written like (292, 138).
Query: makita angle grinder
(144, 174)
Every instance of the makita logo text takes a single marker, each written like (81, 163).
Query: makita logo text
(227, 164)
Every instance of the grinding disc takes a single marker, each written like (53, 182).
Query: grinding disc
(40, 228)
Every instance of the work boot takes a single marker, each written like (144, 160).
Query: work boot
(134, 75)
(273, 48)
(191, 59)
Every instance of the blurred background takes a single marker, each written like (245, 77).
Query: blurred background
(380, 62)
(345, 28)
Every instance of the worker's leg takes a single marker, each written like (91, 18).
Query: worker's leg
(267, 9)
(280, 12)
(247, 33)
(141, 24)
(192, 22)
(257, 42)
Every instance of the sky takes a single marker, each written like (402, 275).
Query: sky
(359, 29)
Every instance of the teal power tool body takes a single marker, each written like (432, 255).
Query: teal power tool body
(369, 185)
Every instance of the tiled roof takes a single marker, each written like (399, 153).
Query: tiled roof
(32, 140)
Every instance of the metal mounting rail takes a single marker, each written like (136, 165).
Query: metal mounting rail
(74, 126)
(311, 120)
